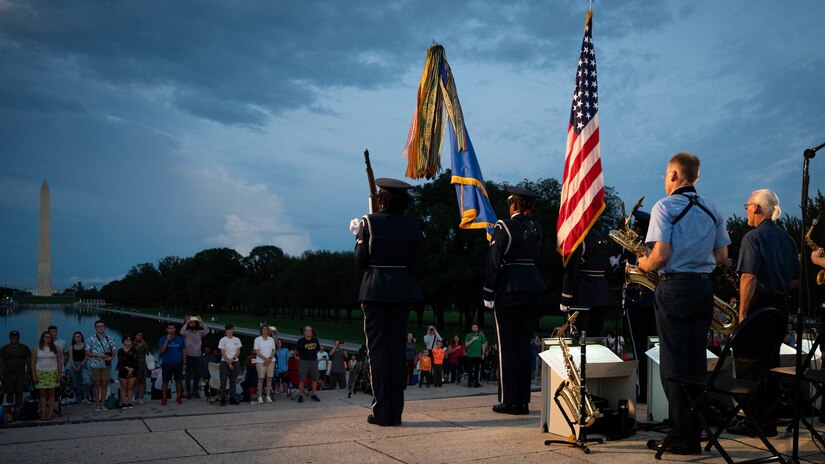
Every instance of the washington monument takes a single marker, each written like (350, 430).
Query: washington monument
(44, 256)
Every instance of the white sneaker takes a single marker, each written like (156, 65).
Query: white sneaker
(97, 409)
(140, 401)
(260, 400)
(267, 399)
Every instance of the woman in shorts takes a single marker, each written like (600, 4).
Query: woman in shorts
(46, 372)
(127, 363)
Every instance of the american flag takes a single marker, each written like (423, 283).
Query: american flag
(582, 192)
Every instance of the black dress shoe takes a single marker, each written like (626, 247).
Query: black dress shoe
(744, 429)
(372, 420)
(676, 448)
(524, 409)
(505, 408)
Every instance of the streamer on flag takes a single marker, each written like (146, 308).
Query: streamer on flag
(582, 192)
(437, 96)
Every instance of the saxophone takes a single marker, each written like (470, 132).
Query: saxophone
(820, 276)
(570, 389)
(725, 315)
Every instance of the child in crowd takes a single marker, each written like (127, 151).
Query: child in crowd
(425, 367)
(438, 363)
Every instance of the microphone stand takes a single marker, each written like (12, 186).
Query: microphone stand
(804, 297)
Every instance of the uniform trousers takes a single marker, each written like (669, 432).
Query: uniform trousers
(385, 327)
(684, 309)
(515, 316)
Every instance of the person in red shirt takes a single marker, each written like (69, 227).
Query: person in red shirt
(438, 363)
(454, 354)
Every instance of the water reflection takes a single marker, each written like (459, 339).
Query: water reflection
(31, 322)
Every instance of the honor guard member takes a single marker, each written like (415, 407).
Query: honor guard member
(513, 289)
(769, 268)
(389, 250)
(688, 240)
(585, 281)
(638, 302)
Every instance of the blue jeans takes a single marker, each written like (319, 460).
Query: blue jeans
(81, 381)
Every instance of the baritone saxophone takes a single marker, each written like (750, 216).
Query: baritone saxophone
(570, 389)
(725, 314)
(820, 276)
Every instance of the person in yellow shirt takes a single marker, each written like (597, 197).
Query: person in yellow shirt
(438, 363)
(425, 369)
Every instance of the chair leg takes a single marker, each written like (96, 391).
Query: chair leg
(669, 438)
(755, 424)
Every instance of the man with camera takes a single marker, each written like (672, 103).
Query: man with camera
(100, 349)
(193, 331)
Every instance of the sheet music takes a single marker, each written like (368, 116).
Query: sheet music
(553, 357)
(653, 354)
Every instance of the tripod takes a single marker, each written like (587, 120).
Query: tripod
(582, 440)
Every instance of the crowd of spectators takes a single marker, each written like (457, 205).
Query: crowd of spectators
(89, 363)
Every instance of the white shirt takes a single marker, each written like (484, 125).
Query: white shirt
(322, 360)
(230, 347)
(265, 348)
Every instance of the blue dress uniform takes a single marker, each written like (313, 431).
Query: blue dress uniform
(585, 281)
(389, 250)
(513, 282)
(639, 307)
(770, 254)
(683, 300)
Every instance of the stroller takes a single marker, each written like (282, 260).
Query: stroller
(359, 379)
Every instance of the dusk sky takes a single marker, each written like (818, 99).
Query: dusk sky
(167, 127)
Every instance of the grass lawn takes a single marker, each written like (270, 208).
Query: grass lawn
(351, 333)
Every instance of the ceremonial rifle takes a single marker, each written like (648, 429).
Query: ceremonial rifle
(371, 180)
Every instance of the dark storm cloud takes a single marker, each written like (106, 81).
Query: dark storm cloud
(242, 62)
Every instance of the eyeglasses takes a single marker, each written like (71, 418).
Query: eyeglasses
(664, 175)
(747, 205)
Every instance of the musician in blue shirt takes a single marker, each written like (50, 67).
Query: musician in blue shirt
(688, 240)
(769, 267)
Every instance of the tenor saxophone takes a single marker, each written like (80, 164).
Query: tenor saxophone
(820, 276)
(725, 314)
(570, 389)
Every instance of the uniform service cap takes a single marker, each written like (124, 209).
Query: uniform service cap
(392, 184)
(522, 192)
(642, 217)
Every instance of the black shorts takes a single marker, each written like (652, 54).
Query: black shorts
(171, 371)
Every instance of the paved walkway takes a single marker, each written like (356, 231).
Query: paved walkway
(441, 425)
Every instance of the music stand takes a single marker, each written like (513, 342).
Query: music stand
(581, 441)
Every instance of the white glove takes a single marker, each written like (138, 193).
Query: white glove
(614, 261)
(489, 304)
(355, 226)
(564, 308)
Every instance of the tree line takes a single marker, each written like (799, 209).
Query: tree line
(324, 284)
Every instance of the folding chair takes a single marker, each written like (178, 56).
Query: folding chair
(213, 387)
(816, 376)
(759, 335)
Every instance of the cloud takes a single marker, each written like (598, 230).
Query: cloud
(245, 234)
(252, 215)
(241, 63)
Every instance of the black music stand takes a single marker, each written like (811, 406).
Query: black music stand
(582, 440)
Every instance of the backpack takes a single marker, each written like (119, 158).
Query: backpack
(28, 410)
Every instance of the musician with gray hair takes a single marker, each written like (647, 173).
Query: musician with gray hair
(769, 268)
